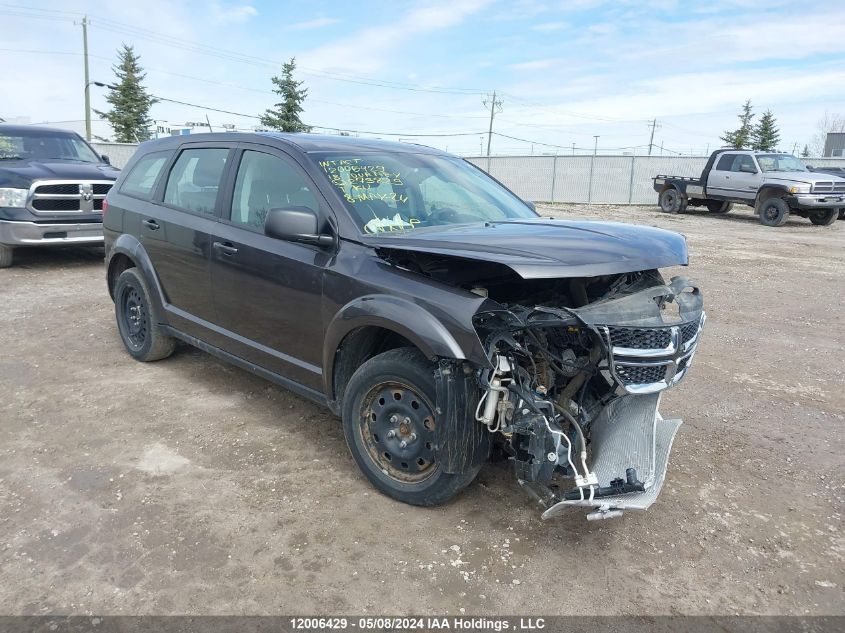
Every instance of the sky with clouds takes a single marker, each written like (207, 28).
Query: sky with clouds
(564, 71)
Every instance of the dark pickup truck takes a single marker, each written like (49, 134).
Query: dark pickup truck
(773, 183)
(52, 187)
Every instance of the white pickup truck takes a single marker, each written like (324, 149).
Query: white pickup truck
(774, 184)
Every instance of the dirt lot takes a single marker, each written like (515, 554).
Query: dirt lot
(188, 486)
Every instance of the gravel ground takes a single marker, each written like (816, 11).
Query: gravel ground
(188, 486)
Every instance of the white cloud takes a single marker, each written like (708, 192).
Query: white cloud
(537, 64)
(316, 23)
(232, 14)
(551, 26)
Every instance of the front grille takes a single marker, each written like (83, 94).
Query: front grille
(68, 196)
(650, 359)
(829, 187)
(641, 374)
(640, 338)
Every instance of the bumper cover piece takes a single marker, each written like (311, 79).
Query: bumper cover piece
(36, 234)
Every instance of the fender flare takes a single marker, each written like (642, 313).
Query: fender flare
(765, 188)
(129, 246)
(396, 314)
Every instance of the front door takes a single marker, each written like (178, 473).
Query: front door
(268, 292)
(176, 233)
(745, 177)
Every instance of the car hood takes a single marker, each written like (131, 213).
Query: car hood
(22, 173)
(807, 177)
(547, 248)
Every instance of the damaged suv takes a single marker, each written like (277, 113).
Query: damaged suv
(416, 297)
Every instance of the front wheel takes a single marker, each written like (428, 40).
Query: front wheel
(825, 217)
(773, 212)
(389, 422)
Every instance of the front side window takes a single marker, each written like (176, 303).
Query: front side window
(140, 181)
(743, 162)
(195, 179)
(780, 162)
(402, 192)
(267, 182)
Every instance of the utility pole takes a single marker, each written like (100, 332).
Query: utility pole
(573, 149)
(592, 163)
(494, 103)
(652, 124)
(87, 83)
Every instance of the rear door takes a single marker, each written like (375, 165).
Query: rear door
(176, 233)
(719, 180)
(268, 292)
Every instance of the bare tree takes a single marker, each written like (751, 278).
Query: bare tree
(830, 122)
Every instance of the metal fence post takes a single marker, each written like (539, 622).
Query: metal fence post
(590, 185)
(631, 181)
(554, 175)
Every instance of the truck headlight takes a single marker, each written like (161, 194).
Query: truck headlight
(799, 189)
(13, 197)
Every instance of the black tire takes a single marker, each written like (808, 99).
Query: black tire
(5, 256)
(842, 214)
(773, 212)
(719, 206)
(137, 320)
(391, 399)
(825, 217)
(672, 201)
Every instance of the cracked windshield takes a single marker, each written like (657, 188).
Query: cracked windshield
(402, 192)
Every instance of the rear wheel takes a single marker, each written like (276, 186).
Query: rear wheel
(389, 422)
(672, 201)
(5, 256)
(773, 212)
(718, 206)
(137, 320)
(842, 214)
(825, 217)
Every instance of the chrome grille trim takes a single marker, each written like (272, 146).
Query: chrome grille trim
(84, 200)
(656, 368)
(828, 186)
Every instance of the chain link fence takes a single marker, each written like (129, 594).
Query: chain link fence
(596, 179)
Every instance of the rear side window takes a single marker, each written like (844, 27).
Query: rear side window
(140, 181)
(195, 179)
(725, 162)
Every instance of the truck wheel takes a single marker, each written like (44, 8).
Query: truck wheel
(5, 256)
(773, 212)
(389, 419)
(137, 320)
(672, 201)
(718, 206)
(842, 214)
(825, 217)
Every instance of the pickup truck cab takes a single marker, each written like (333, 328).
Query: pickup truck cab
(774, 184)
(52, 187)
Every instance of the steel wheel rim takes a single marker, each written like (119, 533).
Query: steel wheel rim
(669, 200)
(771, 212)
(393, 413)
(134, 318)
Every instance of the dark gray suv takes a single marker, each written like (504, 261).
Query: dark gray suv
(417, 298)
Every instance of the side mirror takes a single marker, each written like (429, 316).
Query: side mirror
(530, 205)
(748, 169)
(296, 224)
(105, 159)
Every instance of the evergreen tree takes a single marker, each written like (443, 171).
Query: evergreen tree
(130, 113)
(741, 137)
(284, 116)
(805, 152)
(766, 135)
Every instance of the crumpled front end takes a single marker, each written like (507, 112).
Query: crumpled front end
(574, 389)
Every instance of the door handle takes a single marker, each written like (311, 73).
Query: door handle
(152, 225)
(225, 248)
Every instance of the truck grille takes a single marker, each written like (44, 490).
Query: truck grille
(650, 359)
(68, 196)
(829, 186)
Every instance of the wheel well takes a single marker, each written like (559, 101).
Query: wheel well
(668, 186)
(769, 192)
(117, 265)
(358, 347)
